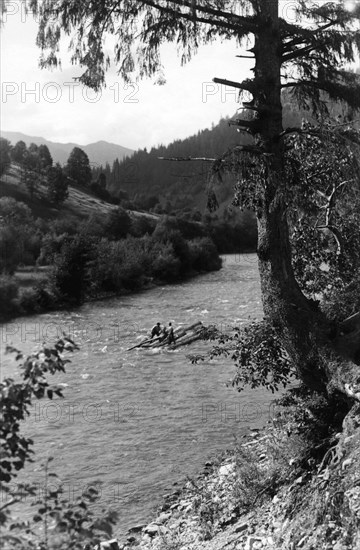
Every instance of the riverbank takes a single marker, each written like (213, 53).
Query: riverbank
(27, 294)
(275, 491)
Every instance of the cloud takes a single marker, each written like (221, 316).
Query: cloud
(51, 104)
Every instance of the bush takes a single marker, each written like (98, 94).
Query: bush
(11, 250)
(64, 225)
(35, 300)
(8, 294)
(165, 265)
(69, 277)
(51, 247)
(343, 303)
(204, 255)
(117, 224)
(142, 225)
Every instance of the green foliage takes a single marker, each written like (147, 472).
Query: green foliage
(234, 235)
(16, 398)
(30, 173)
(11, 248)
(165, 265)
(18, 152)
(8, 294)
(258, 354)
(190, 25)
(142, 225)
(57, 523)
(36, 300)
(57, 184)
(14, 213)
(69, 276)
(78, 167)
(204, 255)
(260, 358)
(323, 204)
(343, 302)
(19, 241)
(5, 151)
(117, 224)
(45, 157)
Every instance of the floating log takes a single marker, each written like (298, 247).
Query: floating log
(183, 336)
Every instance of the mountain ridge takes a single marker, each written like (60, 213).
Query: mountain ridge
(99, 152)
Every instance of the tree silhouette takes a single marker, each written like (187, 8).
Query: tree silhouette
(78, 167)
(307, 55)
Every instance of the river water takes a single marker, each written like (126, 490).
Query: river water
(135, 422)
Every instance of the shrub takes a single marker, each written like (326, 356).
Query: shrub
(117, 224)
(69, 277)
(57, 523)
(8, 294)
(11, 250)
(35, 300)
(204, 255)
(165, 265)
(142, 225)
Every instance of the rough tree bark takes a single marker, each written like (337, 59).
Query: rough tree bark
(305, 331)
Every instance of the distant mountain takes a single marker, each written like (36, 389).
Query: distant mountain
(99, 153)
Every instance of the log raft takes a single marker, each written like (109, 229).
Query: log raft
(183, 337)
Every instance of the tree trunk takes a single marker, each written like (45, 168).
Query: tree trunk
(284, 304)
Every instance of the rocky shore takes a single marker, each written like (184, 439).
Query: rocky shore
(267, 493)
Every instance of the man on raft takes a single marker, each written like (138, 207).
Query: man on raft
(163, 333)
(156, 330)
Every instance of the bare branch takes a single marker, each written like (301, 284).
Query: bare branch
(187, 159)
(245, 85)
(10, 503)
(328, 206)
(238, 149)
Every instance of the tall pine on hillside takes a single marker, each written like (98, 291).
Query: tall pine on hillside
(308, 54)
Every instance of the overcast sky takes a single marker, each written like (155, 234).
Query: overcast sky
(45, 103)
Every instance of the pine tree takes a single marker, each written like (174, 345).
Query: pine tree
(5, 151)
(78, 167)
(57, 184)
(307, 55)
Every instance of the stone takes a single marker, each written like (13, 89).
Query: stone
(136, 528)
(253, 543)
(346, 463)
(163, 517)
(152, 529)
(226, 470)
(109, 545)
(241, 527)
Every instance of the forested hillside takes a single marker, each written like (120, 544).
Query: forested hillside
(181, 186)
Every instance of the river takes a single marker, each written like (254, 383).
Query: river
(134, 423)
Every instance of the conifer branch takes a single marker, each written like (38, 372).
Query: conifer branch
(247, 26)
(245, 85)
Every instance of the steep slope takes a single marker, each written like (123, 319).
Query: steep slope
(79, 204)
